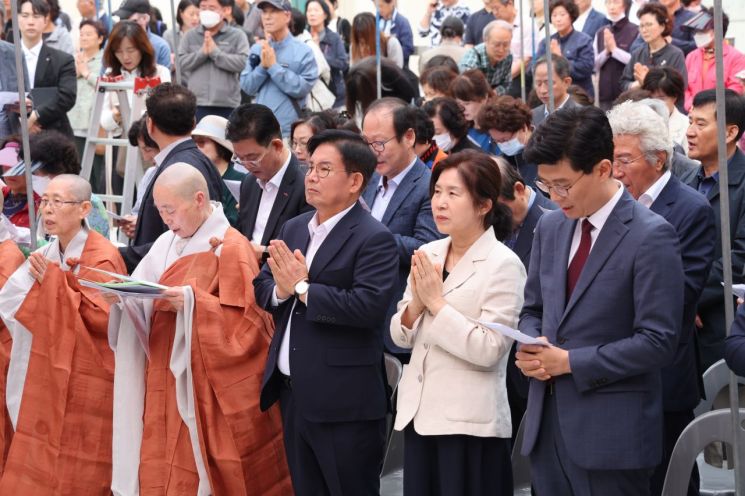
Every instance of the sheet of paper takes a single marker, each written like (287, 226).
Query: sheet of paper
(234, 187)
(114, 215)
(132, 291)
(126, 278)
(738, 290)
(513, 333)
(8, 98)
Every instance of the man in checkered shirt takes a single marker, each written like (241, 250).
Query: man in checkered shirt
(492, 57)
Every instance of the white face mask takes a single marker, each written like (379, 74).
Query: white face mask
(702, 38)
(511, 147)
(443, 141)
(40, 183)
(209, 19)
(615, 19)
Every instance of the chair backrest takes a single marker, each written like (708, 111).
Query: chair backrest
(393, 371)
(715, 378)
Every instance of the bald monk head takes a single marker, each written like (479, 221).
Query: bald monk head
(64, 205)
(182, 199)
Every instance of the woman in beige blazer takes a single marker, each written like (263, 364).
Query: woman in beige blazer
(452, 399)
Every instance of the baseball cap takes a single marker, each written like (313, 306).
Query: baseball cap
(277, 4)
(129, 7)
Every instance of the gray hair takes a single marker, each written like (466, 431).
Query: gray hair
(640, 119)
(497, 23)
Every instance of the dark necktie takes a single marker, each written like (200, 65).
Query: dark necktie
(578, 262)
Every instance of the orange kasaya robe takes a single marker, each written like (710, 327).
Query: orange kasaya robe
(10, 259)
(242, 447)
(62, 443)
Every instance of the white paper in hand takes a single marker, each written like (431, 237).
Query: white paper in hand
(738, 290)
(234, 187)
(513, 333)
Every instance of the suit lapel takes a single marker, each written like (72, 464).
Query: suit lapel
(335, 240)
(524, 240)
(253, 198)
(283, 196)
(664, 203)
(402, 191)
(565, 232)
(41, 67)
(608, 239)
(372, 188)
(467, 266)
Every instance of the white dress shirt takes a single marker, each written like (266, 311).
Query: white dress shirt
(650, 196)
(597, 220)
(556, 107)
(269, 192)
(318, 234)
(579, 24)
(32, 58)
(161, 156)
(384, 194)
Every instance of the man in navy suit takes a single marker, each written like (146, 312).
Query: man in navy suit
(328, 283)
(642, 155)
(589, 20)
(605, 292)
(170, 120)
(398, 192)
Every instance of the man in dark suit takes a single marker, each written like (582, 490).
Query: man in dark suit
(642, 155)
(734, 347)
(398, 192)
(527, 207)
(589, 20)
(328, 283)
(702, 146)
(605, 292)
(273, 192)
(49, 73)
(170, 120)
(562, 81)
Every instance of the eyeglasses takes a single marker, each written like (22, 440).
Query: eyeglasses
(249, 163)
(322, 171)
(56, 203)
(622, 163)
(378, 146)
(299, 145)
(562, 191)
(500, 44)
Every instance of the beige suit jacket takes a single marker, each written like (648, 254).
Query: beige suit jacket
(455, 381)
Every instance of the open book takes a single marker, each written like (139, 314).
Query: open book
(125, 285)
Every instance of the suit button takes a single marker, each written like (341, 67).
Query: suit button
(420, 378)
(426, 346)
(561, 340)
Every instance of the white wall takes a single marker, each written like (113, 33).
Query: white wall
(414, 9)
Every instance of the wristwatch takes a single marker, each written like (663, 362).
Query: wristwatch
(301, 288)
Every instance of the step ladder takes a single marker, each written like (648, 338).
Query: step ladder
(133, 169)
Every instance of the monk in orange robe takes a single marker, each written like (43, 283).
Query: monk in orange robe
(187, 420)
(11, 258)
(61, 372)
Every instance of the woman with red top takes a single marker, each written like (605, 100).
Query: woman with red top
(14, 196)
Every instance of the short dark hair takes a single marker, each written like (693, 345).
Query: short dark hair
(569, 5)
(138, 130)
(39, 7)
(98, 26)
(253, 121)
(483, 181)
(734, 107)
(324, 7)
(471, 86)
(298, 22)
(404, 116)
(56, 152)
(659, 12)
(559, 64)
(442, 61)
(438, 78)
(666, 80)
(450, 115)
(582, 135)
(182, 6)
(425, 128)
(452, 27)
(355, 153)
(317, 122)
(506, 114)
(510, 177)
(172, 108)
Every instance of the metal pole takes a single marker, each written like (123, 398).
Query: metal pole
(176, 37)
(377, 49)
(111, 12)
(549, 62)
(522, 53)
(739, 436)
(24, 124)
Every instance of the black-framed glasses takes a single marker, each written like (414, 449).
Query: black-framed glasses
(56, 203)
(378, 146)
(562, 191)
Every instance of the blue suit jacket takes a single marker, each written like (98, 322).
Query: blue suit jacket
(734, 347)
(524, 242)
(409, 217)
(620, 327)
(595, 21)
(336, 346)
(693, 219)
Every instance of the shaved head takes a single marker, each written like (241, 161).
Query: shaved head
(183, 180)
(77, 187)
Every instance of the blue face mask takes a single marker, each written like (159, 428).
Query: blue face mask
(511, 147)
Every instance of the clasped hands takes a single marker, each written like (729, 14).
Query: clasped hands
(542, 362)
(426, 285)
(288, 268)
(268, 55)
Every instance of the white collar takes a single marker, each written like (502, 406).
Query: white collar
(566, 99)
(654, 191)
(276, 179)
(161, 156)
(601, 215)
(315, 228)
(400, 176)
(34, 50)
(200, 240)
